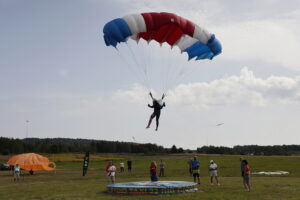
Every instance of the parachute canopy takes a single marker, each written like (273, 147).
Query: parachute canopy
(32, 161)
(163, 27)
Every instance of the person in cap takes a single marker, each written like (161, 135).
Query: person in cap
(213, 167)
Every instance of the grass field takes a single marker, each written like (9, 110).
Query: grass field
(67, 183)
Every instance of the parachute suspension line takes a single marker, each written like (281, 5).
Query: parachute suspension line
(162, 68)
(145, 76)
(135, 66)
(178, 74)
(145, 64)
(177, 70)
(138, 65)
(168, 69)
(129, 66)
(175, 73)
(163, 72)
(183, 73)
(149, 62)
(168, 63)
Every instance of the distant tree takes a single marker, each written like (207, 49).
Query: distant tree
(180, 150)
(174, 149)
(54, 148)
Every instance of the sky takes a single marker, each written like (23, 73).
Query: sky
(57, 72)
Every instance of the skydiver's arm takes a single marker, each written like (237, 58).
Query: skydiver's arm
(164, 105)
(151, 95)
(150, 106)
(163, 96)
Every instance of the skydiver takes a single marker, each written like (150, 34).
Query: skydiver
(157, 105)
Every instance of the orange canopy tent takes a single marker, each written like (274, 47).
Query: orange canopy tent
(32, 161)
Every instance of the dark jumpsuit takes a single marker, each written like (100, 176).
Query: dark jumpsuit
(157, 107)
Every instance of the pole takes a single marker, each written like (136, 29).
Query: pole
(27, 122)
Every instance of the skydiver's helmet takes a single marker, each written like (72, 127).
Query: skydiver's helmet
(160, 102)
(157, 102)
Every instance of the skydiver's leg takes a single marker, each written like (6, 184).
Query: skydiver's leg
(157, 120)
(150, 120)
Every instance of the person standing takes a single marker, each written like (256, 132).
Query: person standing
(129, 165)
(213, 172)
(153, 167)
(122, 166)
(242, 166)
(17, 172)
(161, 168)
(190, 166)
(196, 169)
(86, 160)
(246, 176)
(111, 172)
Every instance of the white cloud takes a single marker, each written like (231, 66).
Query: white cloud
(136, 94)
(200, 12)
(245, 88)
(272, 41)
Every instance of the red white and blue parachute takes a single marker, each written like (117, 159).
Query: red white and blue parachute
(164, 27)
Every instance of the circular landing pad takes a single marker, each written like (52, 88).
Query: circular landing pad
(152, 188)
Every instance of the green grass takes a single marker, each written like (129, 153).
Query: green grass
(67, 182)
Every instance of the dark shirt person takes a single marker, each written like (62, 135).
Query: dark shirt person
(129, 165)
(242, 166)
(190, 166)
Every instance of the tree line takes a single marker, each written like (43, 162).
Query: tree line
(251, 150)
(67, 145)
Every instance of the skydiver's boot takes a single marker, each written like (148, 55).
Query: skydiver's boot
(157, 123)
(149, 123)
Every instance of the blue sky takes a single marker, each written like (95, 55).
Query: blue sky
(56, 71)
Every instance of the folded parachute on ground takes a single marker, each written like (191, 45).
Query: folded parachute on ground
(164, 27)
(32, 161)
